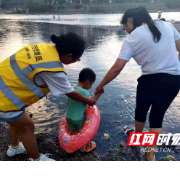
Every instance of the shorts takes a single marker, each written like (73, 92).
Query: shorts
(12, 119)
(158, 92)
(75, 125)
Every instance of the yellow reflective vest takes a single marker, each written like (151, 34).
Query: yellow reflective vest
(17, 73)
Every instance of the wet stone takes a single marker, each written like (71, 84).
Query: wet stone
(106, 136)
(122, 144)
(128, 131)
(164, 159)
(117, 122)
(171, 158)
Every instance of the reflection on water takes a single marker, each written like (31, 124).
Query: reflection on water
(103, 46)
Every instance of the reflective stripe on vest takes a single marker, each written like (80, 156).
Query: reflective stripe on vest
(24, 79)
(48, 65)
(10, 95)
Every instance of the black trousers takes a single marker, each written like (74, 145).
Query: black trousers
(156, 91)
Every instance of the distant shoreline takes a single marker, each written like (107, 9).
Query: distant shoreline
(106, 27)
(102, 8)
(71, 12)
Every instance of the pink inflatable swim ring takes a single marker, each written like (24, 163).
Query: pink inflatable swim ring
(79, 140)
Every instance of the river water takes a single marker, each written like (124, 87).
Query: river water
(103, 46)
(85, 19)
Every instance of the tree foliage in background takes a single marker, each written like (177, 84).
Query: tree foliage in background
(173, 3)
(38, 6)
(46, 5)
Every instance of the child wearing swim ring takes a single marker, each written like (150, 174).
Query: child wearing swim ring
(76, 111)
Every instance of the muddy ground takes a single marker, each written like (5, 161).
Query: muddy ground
(49, 144)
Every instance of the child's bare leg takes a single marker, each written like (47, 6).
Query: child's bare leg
(26, 125)
(88, 146)
(14, 136)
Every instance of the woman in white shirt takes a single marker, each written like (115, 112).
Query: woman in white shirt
(154, 46)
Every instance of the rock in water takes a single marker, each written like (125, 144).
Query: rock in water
(171, 158)
(118, 122)
(128, 130)
(164, 159)
(106, 136)
(122, 144)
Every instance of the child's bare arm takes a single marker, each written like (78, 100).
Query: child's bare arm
(77, 96)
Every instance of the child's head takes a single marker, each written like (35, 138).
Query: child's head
(87, 77)
(69, 46)
(163, 19)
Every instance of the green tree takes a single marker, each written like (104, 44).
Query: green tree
(38, 6)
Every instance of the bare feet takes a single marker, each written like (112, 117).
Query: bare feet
(88, 146)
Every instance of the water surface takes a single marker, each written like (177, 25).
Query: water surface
(85, 19)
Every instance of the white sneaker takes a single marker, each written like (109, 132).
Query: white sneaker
(44, 158)
(14, 151)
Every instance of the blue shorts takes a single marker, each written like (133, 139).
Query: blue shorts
(11, 119)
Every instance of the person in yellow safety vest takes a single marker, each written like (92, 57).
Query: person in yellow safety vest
(28, 76)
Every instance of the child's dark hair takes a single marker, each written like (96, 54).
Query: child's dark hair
(162, 19)
(141, 15)
(87, 75)
(69, 43)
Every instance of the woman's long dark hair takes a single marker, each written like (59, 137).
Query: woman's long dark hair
(69, 43)
(140, 16)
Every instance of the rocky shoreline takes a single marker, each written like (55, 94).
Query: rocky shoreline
(47, 143)
(50, 144)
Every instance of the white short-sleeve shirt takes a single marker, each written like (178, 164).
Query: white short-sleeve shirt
(153, 57)
(57, 82)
